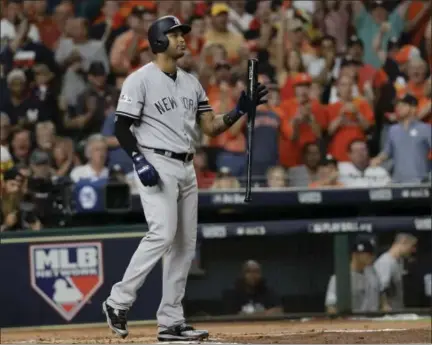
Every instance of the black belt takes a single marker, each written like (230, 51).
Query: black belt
(184, 157)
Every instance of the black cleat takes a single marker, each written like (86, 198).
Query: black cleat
(116, 319)
(182, 332)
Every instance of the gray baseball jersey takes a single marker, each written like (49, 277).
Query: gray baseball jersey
(166, 110)
(390, 272)
(365, 291)
(166, 113)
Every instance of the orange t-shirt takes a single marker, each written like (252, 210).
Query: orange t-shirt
(368, 73)
(423, 104)
(338, 145)
(290, 151)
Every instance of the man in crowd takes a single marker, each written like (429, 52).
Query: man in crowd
(96, 153)
(251, 294)
(358, 172)
(408, 144)
(365, 285)
(389, 267)
(303, 175)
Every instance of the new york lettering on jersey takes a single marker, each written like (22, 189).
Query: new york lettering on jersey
(167, 108)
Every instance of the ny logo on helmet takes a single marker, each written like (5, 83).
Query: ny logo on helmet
(176, 21)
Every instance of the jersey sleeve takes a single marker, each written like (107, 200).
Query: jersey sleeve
(131, 100)
(203, 101)
(384, 271)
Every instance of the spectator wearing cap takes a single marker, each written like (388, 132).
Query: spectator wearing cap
(307, 173)
(276, 177)
(22, 110)
(21, 146)
(349, 118)
(225, 180)
(365, 284)
(219, 33)
(127, 45)
(357, 173)
(408, 144)
(109, 25)
(425, 104)
(40, 165)
(97, 101)
(328, 174)
(303, 121)
(75, 55)
(205, 177)
(96, 154)
(10, 24)
(368, 23)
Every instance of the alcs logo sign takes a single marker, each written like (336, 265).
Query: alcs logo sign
(66, 275)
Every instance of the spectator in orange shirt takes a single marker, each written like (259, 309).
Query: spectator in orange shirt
(328, 174)
(303, 121)
(219, 32)
(349, 118)
(125, 47)
(425, 105)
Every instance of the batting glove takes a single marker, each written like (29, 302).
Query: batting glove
(146, 172)
(244, 104)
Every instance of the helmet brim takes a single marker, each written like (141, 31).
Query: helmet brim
(185, 29)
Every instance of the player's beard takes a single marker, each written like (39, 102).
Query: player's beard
(175, 53)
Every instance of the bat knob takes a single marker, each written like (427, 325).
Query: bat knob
(248, 199)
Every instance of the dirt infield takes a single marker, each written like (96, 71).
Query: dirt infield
(280, 332)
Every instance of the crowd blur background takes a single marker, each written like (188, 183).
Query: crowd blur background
(349, 102)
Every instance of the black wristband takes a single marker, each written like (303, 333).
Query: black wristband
(231, 117)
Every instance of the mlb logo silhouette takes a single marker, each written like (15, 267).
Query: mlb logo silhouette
(66, 275)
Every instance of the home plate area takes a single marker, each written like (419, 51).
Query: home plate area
(311, 331)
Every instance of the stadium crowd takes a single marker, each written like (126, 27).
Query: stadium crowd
(349, 102)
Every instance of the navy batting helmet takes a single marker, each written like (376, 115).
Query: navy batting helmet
(158, 30)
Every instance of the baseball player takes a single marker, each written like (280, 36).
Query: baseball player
(389, 267)
(365, 286)
(160, 111)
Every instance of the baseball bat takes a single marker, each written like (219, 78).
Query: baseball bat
(252, 80)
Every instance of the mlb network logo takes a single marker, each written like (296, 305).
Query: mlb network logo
(66, 275)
